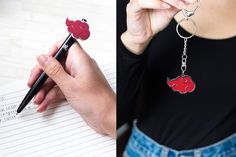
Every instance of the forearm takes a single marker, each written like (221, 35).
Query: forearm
(135, 44)
(130, 70)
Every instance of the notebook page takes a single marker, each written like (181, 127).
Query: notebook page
(59, 131)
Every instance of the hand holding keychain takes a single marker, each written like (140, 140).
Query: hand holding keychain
(184, 83)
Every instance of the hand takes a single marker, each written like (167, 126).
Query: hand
(145, 18)
(79, 81)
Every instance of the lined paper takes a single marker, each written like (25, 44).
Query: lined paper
(58, 132)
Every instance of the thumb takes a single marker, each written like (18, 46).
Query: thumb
(54, 70)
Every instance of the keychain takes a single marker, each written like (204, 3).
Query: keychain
(184, 83)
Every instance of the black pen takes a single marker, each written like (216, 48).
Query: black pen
(77, 29)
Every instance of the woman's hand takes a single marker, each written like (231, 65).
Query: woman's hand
(145, 18)
(79, 81)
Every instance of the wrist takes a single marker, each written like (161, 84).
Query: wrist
(135, 44)
(109, 118)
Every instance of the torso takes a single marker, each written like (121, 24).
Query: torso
(196, 119)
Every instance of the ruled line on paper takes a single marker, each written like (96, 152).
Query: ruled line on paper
(14, 92)
(31, 146)
(16, 102)
(38, 116)
(17, 96)
(81, 148)
(99, 148)
(7, 104)
(76, 131)
(107, 151)
(59, 130)
(38, 133)
(89, 135)
(91, 146)
(45, 115)
(34, 119)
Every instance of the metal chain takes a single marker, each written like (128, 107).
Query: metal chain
(184, 57)
(187, 14)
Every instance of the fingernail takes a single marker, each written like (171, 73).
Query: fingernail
(165, 5)
(43, 60)
(29, 82)
(36, 100)
(39, 109)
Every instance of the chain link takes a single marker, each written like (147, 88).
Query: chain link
(184, 57)
(187, 14)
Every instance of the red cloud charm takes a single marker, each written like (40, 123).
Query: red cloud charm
(182, 84)
(79, 29)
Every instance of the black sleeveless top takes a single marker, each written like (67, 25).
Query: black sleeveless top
(179, 121)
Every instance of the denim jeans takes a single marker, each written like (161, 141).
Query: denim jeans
(140, 145)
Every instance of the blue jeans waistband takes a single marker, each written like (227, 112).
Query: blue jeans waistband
(140, 145)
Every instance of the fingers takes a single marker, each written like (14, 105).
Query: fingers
(36, 71)
(39, 97)
(150, 4)
(153, 4)
(76, 47)
(53, 96)
(175, 3)
(55, 71)
(172, 12)
(159, 4)
(55, 47)
(179, 4)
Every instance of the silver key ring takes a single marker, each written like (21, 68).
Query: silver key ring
(194, 24)
(188, 14)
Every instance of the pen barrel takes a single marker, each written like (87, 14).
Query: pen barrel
(64, 47)
(43, 77)
(33, 91)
